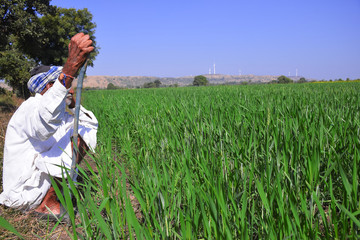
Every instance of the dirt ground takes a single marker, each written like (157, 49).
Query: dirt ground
(26, 224)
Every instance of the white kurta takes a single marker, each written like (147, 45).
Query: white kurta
(37, 142)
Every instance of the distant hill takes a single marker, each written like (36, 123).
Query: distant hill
(137, 81)
(102, 82)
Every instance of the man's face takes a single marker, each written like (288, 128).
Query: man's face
(70, 101)
(47, 87)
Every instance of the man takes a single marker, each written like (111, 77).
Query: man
(38, 137)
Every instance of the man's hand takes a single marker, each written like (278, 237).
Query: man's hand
(79, 48)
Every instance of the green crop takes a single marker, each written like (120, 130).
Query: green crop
(225, 162)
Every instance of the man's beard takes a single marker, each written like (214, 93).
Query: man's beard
(68, 99)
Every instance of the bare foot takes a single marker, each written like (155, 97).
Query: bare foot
(49, 202)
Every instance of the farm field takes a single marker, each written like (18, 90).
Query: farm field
(223, 162)
(230, 162)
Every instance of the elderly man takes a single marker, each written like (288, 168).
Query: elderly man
(38, 137)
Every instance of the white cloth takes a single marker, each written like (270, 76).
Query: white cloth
(37, 142)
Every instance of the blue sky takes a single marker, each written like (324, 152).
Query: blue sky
(319, 38)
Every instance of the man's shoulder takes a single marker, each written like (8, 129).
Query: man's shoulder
(28, 106)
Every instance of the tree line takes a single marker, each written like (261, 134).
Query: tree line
(201, 80)
(34, 33)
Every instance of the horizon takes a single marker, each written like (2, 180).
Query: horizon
(221, 74)
(233, 75)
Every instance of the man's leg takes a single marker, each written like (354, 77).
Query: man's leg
(50, 200)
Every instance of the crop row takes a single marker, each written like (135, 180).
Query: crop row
(226, 162)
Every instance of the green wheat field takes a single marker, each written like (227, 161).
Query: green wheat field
(223, 162)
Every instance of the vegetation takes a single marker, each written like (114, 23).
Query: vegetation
(7, 103)
(302, 80)
(34, 32)
(200, 80)
(111, 86)
(225, 162)
(282, 79)
(154, 84)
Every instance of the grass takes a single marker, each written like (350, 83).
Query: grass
(237, 162)
(7, 103)
(224, 162)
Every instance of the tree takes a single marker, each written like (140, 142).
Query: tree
(200, 80)
(283, 79)
(157, 83)
(21, 17)
(58, 30)
(111, 86)
(149, 85)
(34, 32)
(154, 84)
(15, 70)
(302, 80)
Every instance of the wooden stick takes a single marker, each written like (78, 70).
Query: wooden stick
(76, 118)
